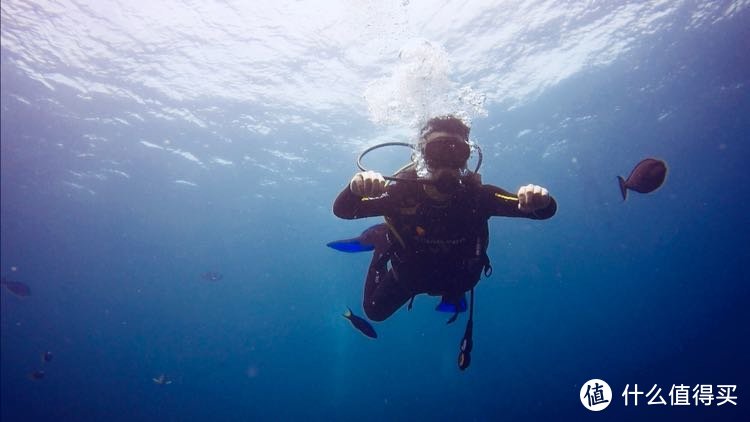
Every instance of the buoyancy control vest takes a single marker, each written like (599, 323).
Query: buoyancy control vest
(442, 244)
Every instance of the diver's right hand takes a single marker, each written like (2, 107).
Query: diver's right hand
(368, 184)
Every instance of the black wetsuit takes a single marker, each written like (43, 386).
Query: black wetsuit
(434, 247)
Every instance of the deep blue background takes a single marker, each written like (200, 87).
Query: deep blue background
(653, 290)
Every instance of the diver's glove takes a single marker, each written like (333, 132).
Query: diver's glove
(368, 184)
(532, 198)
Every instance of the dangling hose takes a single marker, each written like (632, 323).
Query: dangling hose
(464, 355)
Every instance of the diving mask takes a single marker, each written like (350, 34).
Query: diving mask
(446, 152)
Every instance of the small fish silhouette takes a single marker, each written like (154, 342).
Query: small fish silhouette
(16, 287)
(212, 276)
(361, 324)
(36, 375)
(161, 380)
(647, 176)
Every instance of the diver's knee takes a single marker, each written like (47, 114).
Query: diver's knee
(373, 312)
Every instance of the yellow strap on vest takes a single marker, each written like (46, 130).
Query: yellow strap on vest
(506, 197)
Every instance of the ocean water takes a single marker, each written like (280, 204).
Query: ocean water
(147, 143)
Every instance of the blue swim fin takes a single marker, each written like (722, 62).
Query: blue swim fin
(446, 305)
(366, 241)
(350, 245)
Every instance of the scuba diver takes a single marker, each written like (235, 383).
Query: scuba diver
(435, 236)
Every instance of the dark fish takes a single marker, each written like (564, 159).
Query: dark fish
(16, 287)
(212, 276)
(36, 375)
(47, 356)
(361, 324)
(646, 177)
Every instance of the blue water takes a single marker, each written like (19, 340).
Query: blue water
(112, 235)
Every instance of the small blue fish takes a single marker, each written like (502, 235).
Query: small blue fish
(361, 324)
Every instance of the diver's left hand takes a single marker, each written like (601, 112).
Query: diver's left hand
(532, 198)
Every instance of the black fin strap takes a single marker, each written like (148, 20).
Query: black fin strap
(467, 342)
(453, 318)
(411, 303)
(487, 266)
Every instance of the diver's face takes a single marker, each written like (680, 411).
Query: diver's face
(444, 151)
